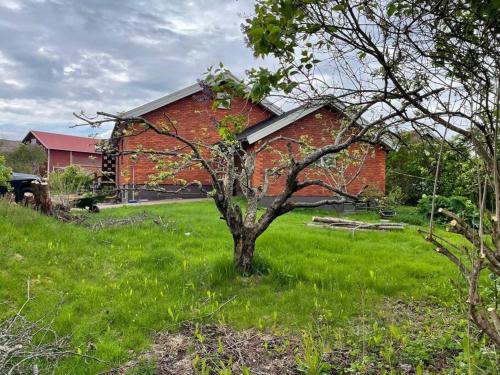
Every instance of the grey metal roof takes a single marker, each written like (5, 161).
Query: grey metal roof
(267, 127)
(183, 93)
(23, 176)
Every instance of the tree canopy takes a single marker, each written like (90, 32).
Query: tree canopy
(412, 168)
(27, 158)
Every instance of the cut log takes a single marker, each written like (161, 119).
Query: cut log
(338, 223)
(335, 220)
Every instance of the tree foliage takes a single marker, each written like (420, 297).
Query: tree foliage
(27, 158)
(412, 168)
(5, 173)
(70, 180)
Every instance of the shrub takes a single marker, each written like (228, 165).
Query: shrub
(372, 195)
(5, 173)
(462, 206)
(70, 180)
(394, 198)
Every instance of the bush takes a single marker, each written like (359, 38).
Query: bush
(394, 198)
(71, 180)
(461, 206)
(5, 173)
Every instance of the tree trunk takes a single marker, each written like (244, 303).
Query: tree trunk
(244, 247)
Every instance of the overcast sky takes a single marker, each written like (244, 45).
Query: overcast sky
(61, 56)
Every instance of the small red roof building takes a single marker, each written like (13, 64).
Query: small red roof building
(64, 150)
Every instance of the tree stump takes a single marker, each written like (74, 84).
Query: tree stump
(41, 194)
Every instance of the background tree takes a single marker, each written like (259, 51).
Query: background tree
(437, 59)
(412, 167)
(27, 159)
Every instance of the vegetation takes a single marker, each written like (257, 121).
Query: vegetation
(433, 63)
(5, 173)
(119, 285)
(27, 158)
(460, 205)
(412, 168)
(71, 180)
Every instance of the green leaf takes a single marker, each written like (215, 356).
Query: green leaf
(391, 8)
(340, 7)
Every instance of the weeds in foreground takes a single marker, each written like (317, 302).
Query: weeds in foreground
(119, 283)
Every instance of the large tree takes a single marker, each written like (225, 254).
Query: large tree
(5, 173)
(434, 62)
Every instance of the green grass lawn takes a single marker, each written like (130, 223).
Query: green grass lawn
(118, 286)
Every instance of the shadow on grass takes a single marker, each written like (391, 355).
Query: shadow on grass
(223, 271)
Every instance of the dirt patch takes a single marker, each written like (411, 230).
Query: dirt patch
(216, 349)
(402, 337)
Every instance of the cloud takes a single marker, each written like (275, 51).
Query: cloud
(61, 56)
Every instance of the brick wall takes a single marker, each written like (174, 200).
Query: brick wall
(317, 126)
(193, 120)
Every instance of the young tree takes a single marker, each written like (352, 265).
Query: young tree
(229, 164)
(437, 59)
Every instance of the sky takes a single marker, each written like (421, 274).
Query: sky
(63, 56)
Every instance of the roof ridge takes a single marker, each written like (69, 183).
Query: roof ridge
(66, 135)
(187, 91)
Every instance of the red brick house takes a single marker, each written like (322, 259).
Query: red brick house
(315, 123)
(64, 150)
(264, 120)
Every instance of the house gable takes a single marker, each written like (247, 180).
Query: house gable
(186, 92)
(273, 125)
(316, 125)
(194, 119)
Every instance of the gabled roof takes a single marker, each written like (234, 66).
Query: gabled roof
(267, 127)
(183, 93)
(53, 141)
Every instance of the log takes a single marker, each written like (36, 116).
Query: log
(335, 220)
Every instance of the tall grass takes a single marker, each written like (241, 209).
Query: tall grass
(118, 286)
